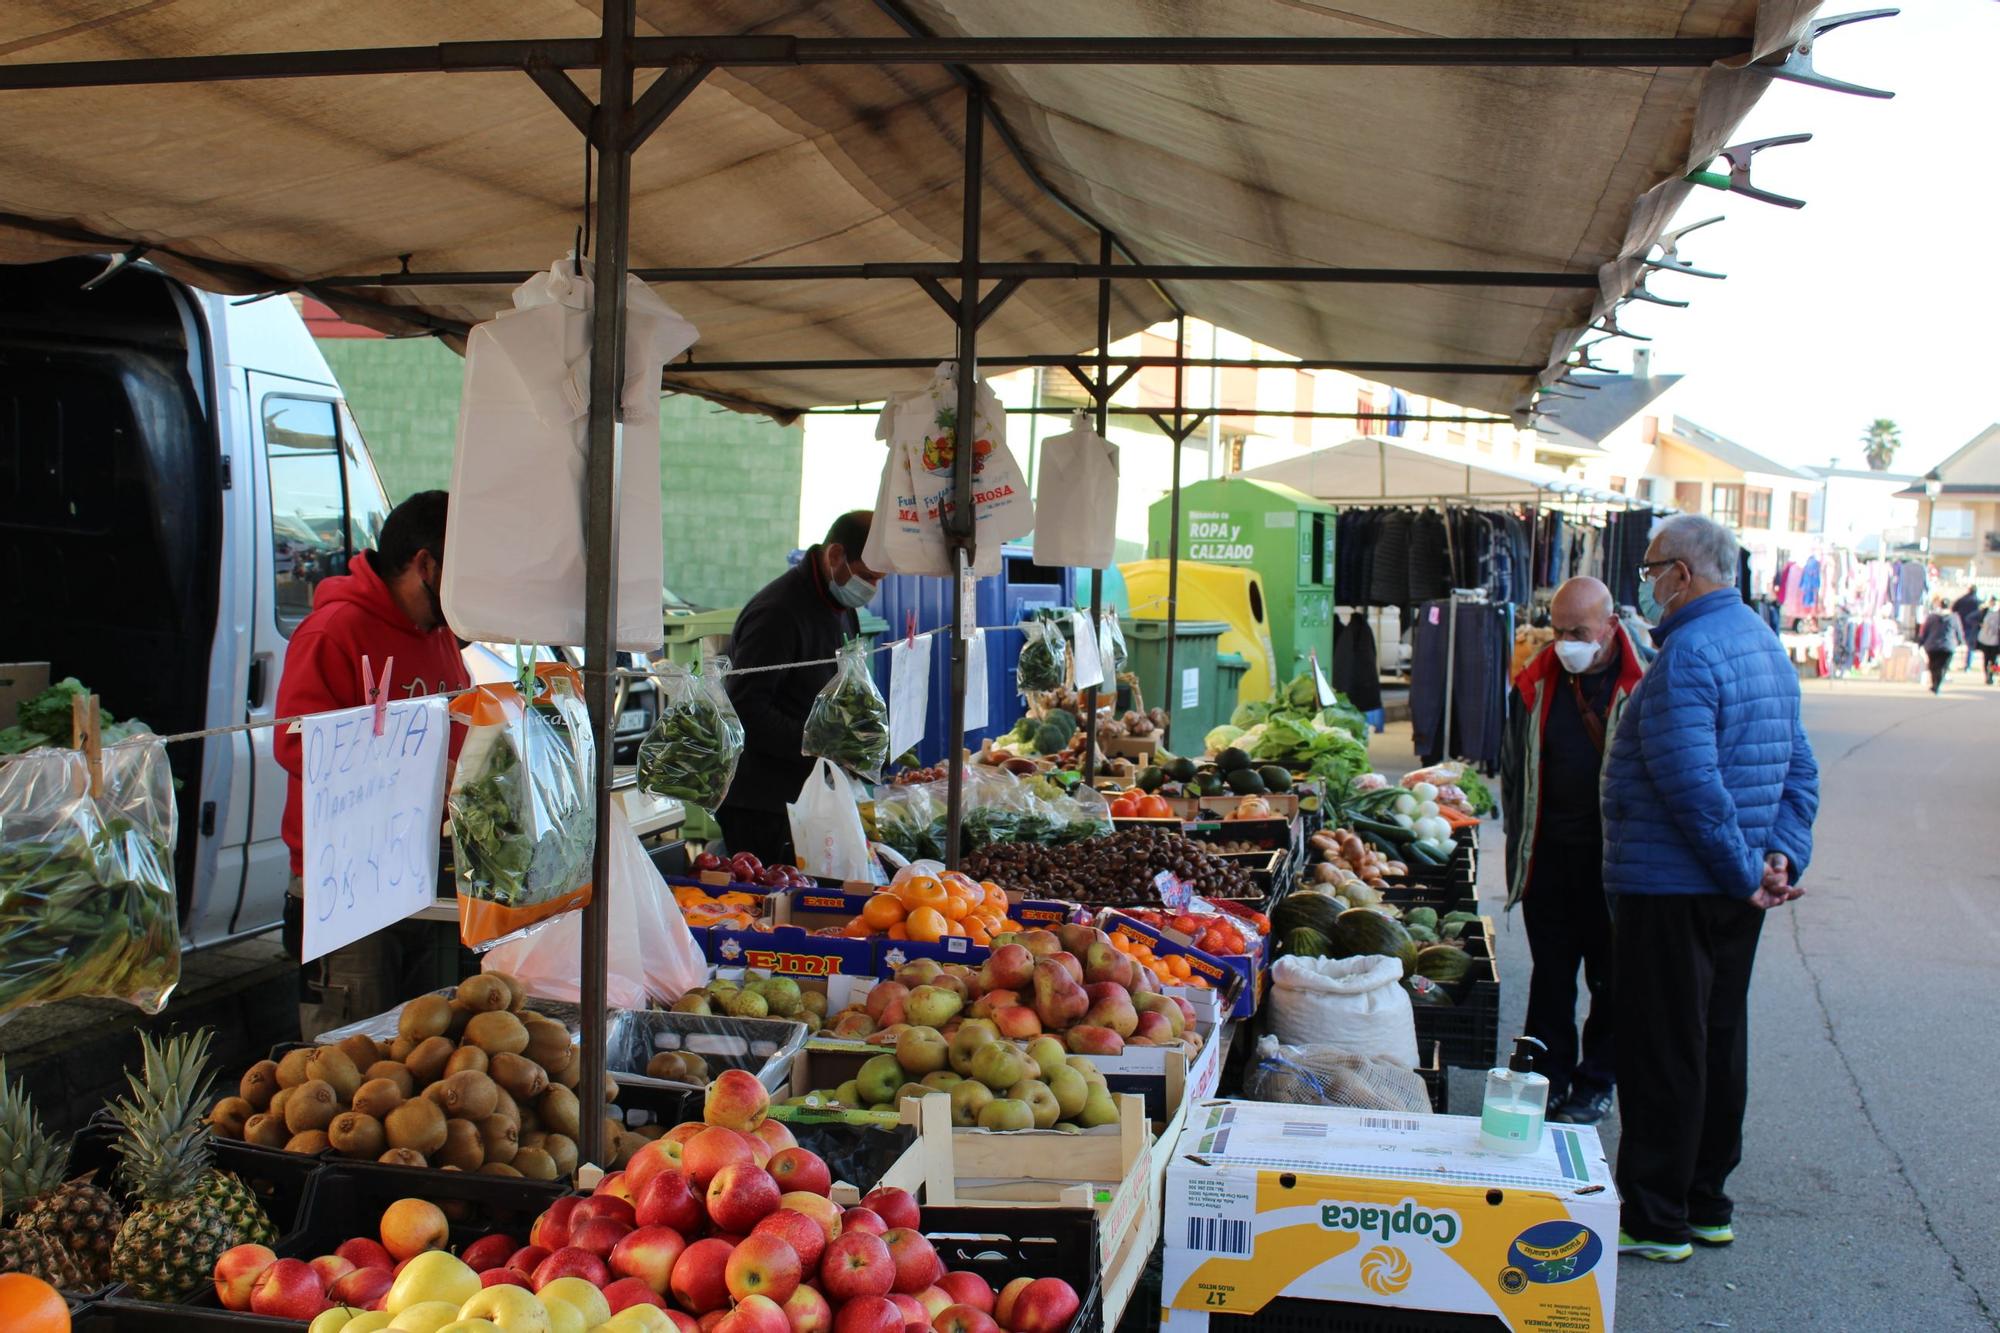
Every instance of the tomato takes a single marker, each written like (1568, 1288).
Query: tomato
(1125, 807)
(1154, 807)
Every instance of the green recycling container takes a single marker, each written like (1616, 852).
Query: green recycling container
(1195, 699)
(1230, 668)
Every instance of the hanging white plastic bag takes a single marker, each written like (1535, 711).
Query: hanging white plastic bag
(909, 693)
(518, 469)
(904, 538)
(975, 683)
(1357, 1005)
(1076, 499)
(1089, 668)
(923, 426)
(826, 826)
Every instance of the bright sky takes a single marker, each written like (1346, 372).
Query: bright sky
(1878, 298)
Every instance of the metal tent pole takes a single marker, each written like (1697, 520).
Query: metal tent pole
(959, 528)
(1102, 398)
(1179, 436)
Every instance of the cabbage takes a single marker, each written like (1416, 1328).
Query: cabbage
(1221, 738)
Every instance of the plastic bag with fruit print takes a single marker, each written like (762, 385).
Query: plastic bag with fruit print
(915, 498)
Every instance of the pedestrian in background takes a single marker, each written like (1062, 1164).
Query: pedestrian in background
(1989, 637)
(1941, 633)
(1709, 796)
(1567, 702)
(1966, 608)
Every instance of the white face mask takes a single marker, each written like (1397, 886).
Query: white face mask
(1576, 657)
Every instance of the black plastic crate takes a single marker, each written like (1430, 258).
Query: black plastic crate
(277, 1177)
(347, 1199)
(118, 1316)
(1437, 1081)
(1467, 1030)
(1001, 1244)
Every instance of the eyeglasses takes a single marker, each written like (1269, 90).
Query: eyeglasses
(1646, 567)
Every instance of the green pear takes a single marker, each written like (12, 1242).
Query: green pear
(1069, 1089)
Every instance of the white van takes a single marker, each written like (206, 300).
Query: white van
(177, 472)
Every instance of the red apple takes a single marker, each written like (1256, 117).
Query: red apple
(699, 1282)
(412, 1226)
(570, 1262)
(819, 1208)
(615, 1184)
(527, 1259)
(1003, 1304)
(729, 1238)
(495, 1277)
(551, 1229)
(863, 1219)
(669, 1200)
(968, 1289)
(914, 1315)
(741, 1196)
(331, 1268)
(709, 1322)
(856, 1264)
(600, 1235)
(712, 1149)
(868, 1314)
(649, 1162)
(934, 1300)
(288, 1289)
(917, 1262)
(604, 1205)
(736, 1099)
(365, 1253)
(631, 1291)
(776, 1136)
(807, 1311)
(649, 1254)
(365, 1286)
(896, 1207)
(237, 1271)
(489, 1252)
(757, 1314)
(799, 1169)
(1045, 1305)
(797, 1230)
(683, 1323)
(760, 1150)
(763, 1265)
(964, 1319)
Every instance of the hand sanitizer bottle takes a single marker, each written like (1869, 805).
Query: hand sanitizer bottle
(1517, 1101)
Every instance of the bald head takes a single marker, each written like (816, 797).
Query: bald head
(1583, 617)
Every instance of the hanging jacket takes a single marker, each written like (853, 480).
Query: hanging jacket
(1521, 748)
(1354, 670)
(1389, 583)
(1710, 767)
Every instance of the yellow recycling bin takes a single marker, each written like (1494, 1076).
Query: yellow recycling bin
(1231, 594)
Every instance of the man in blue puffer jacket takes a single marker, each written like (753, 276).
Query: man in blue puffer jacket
(1709, 794)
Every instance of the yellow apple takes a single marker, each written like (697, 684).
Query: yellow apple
(640, 1319)
(471, 1326)
(565, 1318)
(579, 1295)
(433, 1276)
(423, 1317)
(334, 1320)
(513, 1309)
(369, 1321)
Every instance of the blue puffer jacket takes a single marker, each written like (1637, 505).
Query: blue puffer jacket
(1709, 768)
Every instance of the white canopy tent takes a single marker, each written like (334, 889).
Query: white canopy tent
(1383, 468)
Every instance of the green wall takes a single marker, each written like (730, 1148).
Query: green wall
(729, 482)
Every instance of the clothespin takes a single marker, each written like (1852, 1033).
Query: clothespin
(85, 734)
(374, 692)
(910, 628)
(524, 672)
(1737, 179)
(1796, 64)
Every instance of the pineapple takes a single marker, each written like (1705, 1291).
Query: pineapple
(188, 1212)
(76, 1216)
(38, 1256)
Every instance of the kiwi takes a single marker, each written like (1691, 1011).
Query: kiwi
(469, 1095)
(396, 1072)
(266, 1131)
(463, 1146)
(530, 1123)
(667, 1065)
(402, 1157)
(548, 1041)
(464, 1058)
(331, 1065)
(417, 1124)
(495, 1032)
(517, 990)
(377, 1097)
(614, 1132)
(483, 992)
(354, 1134)
(427, 1062)
(694, 1069)
(499, 1169)
(500, 1138)
(259, 1084)
(276, 1106)
(400, 1048)
(229, 1115)
(360, 1049)
(310, 1142)
(520, 1076)
(534, 1138)
(567, 1074)
(562, 1150)
(652, 1132)
(292, 1068)
(534, 1164)
(425, 1016)
(505, 1107)
(558, 1110)
(312, 1105)
(460, 1015)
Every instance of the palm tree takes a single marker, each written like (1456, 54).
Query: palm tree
(1880, 442)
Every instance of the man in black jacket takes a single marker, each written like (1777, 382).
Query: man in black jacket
(803, 615)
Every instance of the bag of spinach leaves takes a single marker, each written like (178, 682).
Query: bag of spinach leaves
(522, 806)
(87, 905)
(1043, 659)
(692, 751)
(849, 721)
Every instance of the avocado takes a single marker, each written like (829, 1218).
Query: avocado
(1211, 784)
(1151, 778)
(1181, 770)
(1276, 778)
(1244, 781)
(1232, 759)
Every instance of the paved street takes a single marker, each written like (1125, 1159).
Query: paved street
(1869, 1197)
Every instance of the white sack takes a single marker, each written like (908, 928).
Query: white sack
(826, 826)
(1356, 1005)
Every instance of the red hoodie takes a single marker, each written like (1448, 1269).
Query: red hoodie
(354, 614)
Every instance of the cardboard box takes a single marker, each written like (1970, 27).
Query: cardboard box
(1141, 750)
(1379, 1208)
(19, 682)
(818, 909)
(1242, 972)
(1284, 805)
(789, 951)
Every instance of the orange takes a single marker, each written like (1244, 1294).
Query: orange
(1122, 943)
(882, 911)
(927, 925)
(977, 932)
(922, 891)
(856, 929)
(955, 904)
(1011, 924)
(1178, 963)
(1161, 970)
(30, 1305)
(899, 931)
(959, 879)
(992, 895)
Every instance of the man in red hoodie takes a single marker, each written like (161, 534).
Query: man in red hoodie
(385, 606)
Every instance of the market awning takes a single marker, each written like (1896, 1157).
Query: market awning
(1374, 468)
(253, 184)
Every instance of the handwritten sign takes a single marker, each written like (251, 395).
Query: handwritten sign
(975, 680)
(373, 805)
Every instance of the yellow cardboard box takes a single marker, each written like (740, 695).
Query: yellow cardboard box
(1385, 1208)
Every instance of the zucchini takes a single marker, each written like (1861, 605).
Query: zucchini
(1393, 833)
(1414, 850)
(1380, 844)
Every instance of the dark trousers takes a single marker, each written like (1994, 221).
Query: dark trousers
(1569, 926)
(1940, 660)
(765, 833)
(1989, 652)
(1683, 965)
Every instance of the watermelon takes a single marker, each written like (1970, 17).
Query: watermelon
(1358, 931)
(1426, 917)
(1305, 942)
(1445, 964)
(1313, 911)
